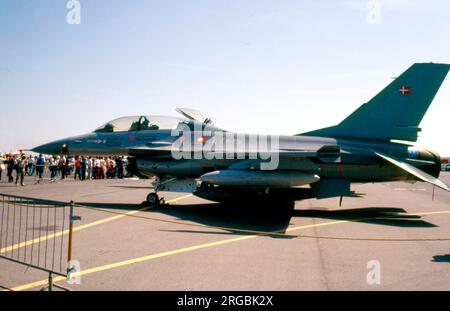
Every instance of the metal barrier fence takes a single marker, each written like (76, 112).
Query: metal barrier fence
(37, 233)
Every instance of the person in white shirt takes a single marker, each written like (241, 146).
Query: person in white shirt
(53, 166)
(90, 165)
(30, 166)
(2, 167)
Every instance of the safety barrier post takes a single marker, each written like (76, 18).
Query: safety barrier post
(71, 220)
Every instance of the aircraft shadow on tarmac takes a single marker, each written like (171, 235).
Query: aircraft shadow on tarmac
(270, 219)
(441, 258)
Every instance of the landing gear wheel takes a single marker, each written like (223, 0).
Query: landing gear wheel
(153, 199)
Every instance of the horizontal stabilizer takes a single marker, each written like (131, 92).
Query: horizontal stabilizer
(414, 171)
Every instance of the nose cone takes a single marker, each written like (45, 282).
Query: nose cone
(56, 147)
(70, 145)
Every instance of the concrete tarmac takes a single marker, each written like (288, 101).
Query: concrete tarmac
(180, 247)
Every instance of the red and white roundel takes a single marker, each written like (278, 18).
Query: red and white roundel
(200, 139)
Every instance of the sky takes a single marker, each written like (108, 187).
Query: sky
(255, 66)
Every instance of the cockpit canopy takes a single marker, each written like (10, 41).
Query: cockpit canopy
(140, 123)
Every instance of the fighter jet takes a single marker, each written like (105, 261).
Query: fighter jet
(191, 154)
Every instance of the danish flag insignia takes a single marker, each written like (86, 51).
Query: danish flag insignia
(405, 90)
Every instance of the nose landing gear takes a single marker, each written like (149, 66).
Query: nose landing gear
(152, 198)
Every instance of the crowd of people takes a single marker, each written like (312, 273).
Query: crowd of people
(82, 168)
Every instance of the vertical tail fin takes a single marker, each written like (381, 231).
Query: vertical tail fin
(395, 112)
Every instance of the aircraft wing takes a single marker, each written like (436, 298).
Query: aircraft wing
(165, 149)
(157, 150)
(280, 153)
(414, 171)
(309, 151)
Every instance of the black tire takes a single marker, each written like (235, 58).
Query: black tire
(152, 199)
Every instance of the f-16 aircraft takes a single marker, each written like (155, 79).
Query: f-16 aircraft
(191, 154)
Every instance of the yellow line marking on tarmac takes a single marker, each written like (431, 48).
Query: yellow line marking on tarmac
(89, 225)
(108, 192)
(159, 255)
(426, 213)
(168, 253)
(192, 248)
